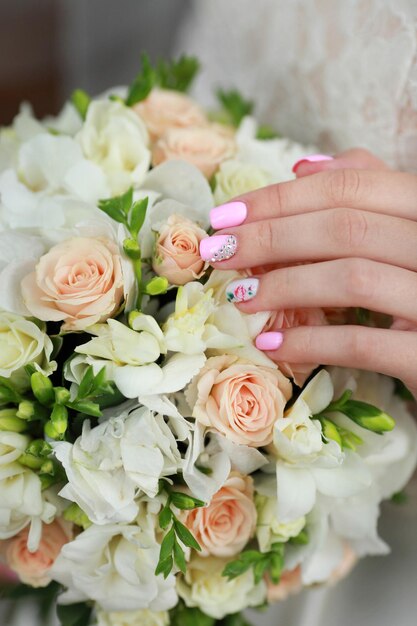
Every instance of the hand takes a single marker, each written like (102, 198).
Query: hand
(352, 222)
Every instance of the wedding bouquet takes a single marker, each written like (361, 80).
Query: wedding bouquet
(155, 467)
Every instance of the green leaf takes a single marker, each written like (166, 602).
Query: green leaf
(276, 565)
(242, 564)
(400, 498)
(167, 545)
(42, 388)
(137, 216)
(165, 517)
(81, 101)
(74, 614)
(235, 105)
(185, 535)
(86, 384)
(8, 393)
(236, 619)
(266, 132)
(177, 75)
(112, 207)
(260, 568)
(164, 567)
(179, 557)
(84, 406)
(182, 615)
(143, 83)
(185, 502)
(301, 539)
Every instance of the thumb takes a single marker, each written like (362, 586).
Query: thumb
(356, 158)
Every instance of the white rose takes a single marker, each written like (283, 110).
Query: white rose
(23, 342)
(116, 139)
(114, 565)
(22, 501)
(269, 529)
(108, 465)
(235, 178)
(133, 618)
(203, 586)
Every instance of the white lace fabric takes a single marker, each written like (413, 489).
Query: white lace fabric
(335, 73)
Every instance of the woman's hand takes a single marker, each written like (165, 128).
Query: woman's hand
(352, 224)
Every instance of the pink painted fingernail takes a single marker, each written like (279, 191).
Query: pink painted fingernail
(312, 158)
(228, 215)
(242, 290)
(218, 248)
(269, 341)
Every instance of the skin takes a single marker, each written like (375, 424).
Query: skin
(353, 223)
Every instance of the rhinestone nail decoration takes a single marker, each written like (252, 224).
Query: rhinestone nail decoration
(226, 251)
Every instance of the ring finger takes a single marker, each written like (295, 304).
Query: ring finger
(341, 283)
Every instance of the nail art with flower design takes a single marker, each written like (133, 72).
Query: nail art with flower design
(242, 289)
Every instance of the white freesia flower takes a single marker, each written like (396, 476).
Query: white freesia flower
(116, 139)
(133, 618)
(305, 465)
(269, 529)
(114, 565)
(189, 329)
(55, 163)
(23, 342)
(220, 456)
(129, 357)
(203, 586)
(22, 502)
(110, 465)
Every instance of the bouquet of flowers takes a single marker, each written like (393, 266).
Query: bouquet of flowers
(155, 467)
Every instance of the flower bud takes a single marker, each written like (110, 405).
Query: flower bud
(62, 395)
(378, 423)
(9, 421)
(330, 431)
(42, 388)
(76, 515)
(26, 410)
(28, 460)
(51, 431)
(157, 286)
(132, 249)
(59, 418)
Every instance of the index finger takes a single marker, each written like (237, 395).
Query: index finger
(390, 193)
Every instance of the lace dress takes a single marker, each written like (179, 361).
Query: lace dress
(335, 73)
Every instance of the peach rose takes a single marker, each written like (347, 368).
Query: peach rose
(290, 318)
(32, 567)
(164, 109)
(239, 399)
(224, 527)
(289, 584)
(177, 255)
(204, 147)
(78, 281)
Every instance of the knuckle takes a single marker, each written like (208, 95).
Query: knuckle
(275, 198)
(343, 186)
(348, 228)
(360, 346)
(267, 239)
(361, 281)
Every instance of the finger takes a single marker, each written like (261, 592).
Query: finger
(387, 192)
(390, 352)
(320, 236)
(341, 283)
(356, 158)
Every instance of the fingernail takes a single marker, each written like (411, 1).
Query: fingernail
(269, 341)
(312, 158)
(228, 215)
(242, 290)
(218, 248)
